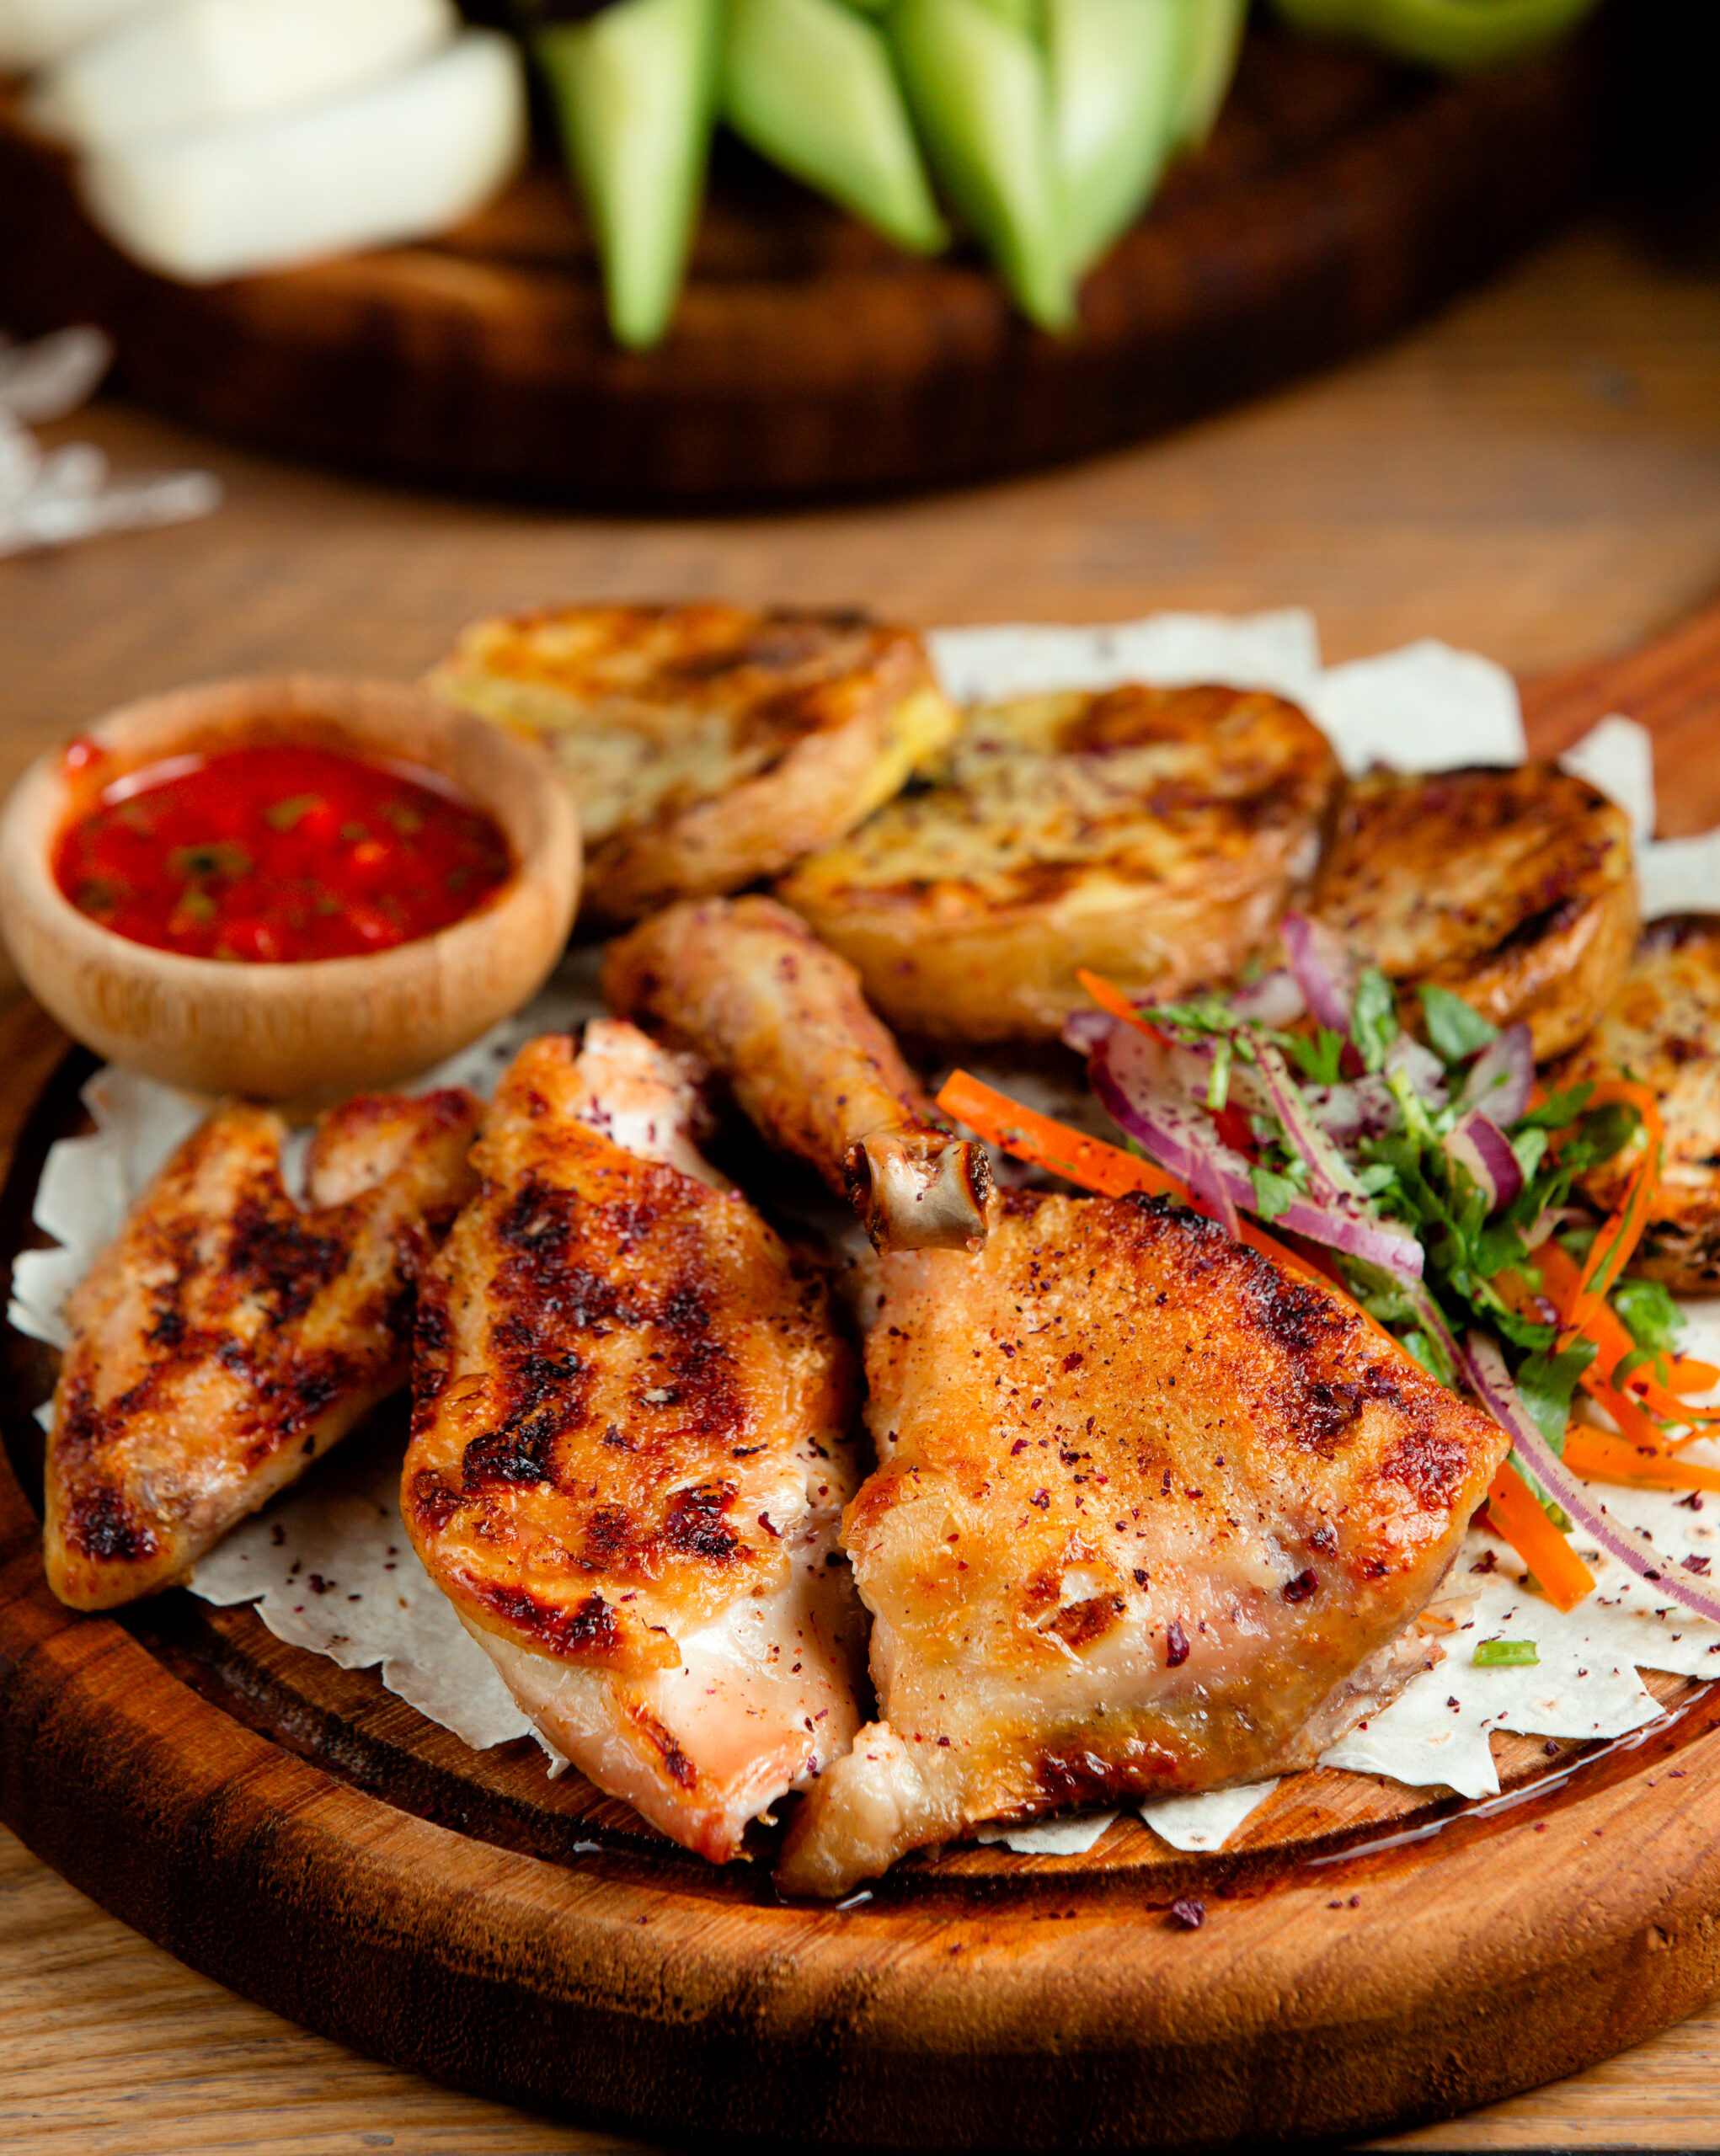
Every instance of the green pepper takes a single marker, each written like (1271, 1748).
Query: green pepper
(978, 87)
(1441, 33)
(809, 84)
(1117, 84)
(635, 88)
(1216, 30)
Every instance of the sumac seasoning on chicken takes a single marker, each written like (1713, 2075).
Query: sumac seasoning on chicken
(280, 853)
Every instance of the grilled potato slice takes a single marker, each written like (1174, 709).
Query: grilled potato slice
(1663, 1027)
(705, 745)
(1152, 834)
(1513, 889)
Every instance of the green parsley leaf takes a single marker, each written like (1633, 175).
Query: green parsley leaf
(1557, 1111)
(1218, 1091)
(1373, 1022)
(1319, 1059)
(1456, 1030)
(1273, 1193)
(1507, 1654)
(1652, 1318)
(1546, 1383)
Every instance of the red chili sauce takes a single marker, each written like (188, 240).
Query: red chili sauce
(279, 853)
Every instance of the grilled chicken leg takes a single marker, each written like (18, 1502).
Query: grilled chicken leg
(629, 1449)
(1147, 1509)
(226, 1337)
(749, 986)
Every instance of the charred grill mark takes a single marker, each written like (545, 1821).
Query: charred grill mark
(277, 1257)
(679, 1769)
(102, 1523)
(1084, 1622)
(589, 1630)
(697, 1528)
(434, 1503)
(546, 1395)
(1545, 921)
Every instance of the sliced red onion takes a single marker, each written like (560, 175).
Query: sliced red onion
(1083, 1030)
(1502, 1077)
(1275, 999)
(1329, 1176)
(1483, 1150)
(1421, 1066)
(1357, 1108)
(1179, 1137)
(1432, 1320)
(1321, 968)
(1484, 1367)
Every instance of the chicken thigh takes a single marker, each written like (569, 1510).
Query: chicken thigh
(1146, 1506)
(630, 1447)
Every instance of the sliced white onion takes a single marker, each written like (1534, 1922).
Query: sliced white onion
(392, 162)
(184, 66)
(1502, 1077)
(1484, 1367)
(34, 32)
(1421, 1066)
(1276, 1000)
(1482, 1150)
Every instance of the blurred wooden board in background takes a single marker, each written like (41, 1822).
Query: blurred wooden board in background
(1340, 197)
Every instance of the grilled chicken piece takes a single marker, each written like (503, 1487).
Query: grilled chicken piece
(1146, 1507)
(1151, 835)
(1663, 1027)
(705, 745)
(629, 1448)
(1515, 888)
(226, 1338)
(748, 986)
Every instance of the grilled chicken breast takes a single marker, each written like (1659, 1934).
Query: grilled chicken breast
(227, 1337)
(629, 1448)
(705, 745)
(1152, 834)
(1145, 1508)
(1515, 888)
(748, 986)
(1663, 1027)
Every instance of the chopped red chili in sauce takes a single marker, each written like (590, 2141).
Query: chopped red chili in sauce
(279, 853)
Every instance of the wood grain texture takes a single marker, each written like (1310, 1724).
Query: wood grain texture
(1537, 474)
(1340, 197)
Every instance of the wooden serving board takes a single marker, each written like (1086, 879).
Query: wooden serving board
(1340, 197)
(1369, 1955)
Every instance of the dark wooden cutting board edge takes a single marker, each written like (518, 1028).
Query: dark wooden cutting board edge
(807, 361)
(1493, 1950)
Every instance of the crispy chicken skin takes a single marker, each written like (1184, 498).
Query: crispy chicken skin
(1151, 835)
(1663, 1027)
(630, 1447)
(1145, 1505)
(1515, 888)
(706, 745)
(226, 1338)
(748, 986)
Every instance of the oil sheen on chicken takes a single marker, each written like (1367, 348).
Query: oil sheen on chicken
(629, 1450)
(1146, 1506)
(227, 1337)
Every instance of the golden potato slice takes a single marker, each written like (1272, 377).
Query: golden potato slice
(1152, 834)
(705, 745)
(1663, 1027)
(1513, 889)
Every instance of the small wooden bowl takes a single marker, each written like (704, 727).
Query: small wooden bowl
(312, 1032)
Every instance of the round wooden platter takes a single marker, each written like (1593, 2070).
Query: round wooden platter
(1368, 1955)
(1339, 197)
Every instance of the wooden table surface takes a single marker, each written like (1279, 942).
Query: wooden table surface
(1536, 475)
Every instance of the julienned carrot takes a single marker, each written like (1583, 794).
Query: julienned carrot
(1611, 1252)
(1560, 1281)
(1598, 1457)
(1111, 998)
(1519, 1517)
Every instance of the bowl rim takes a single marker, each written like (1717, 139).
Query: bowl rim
(37, 813)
